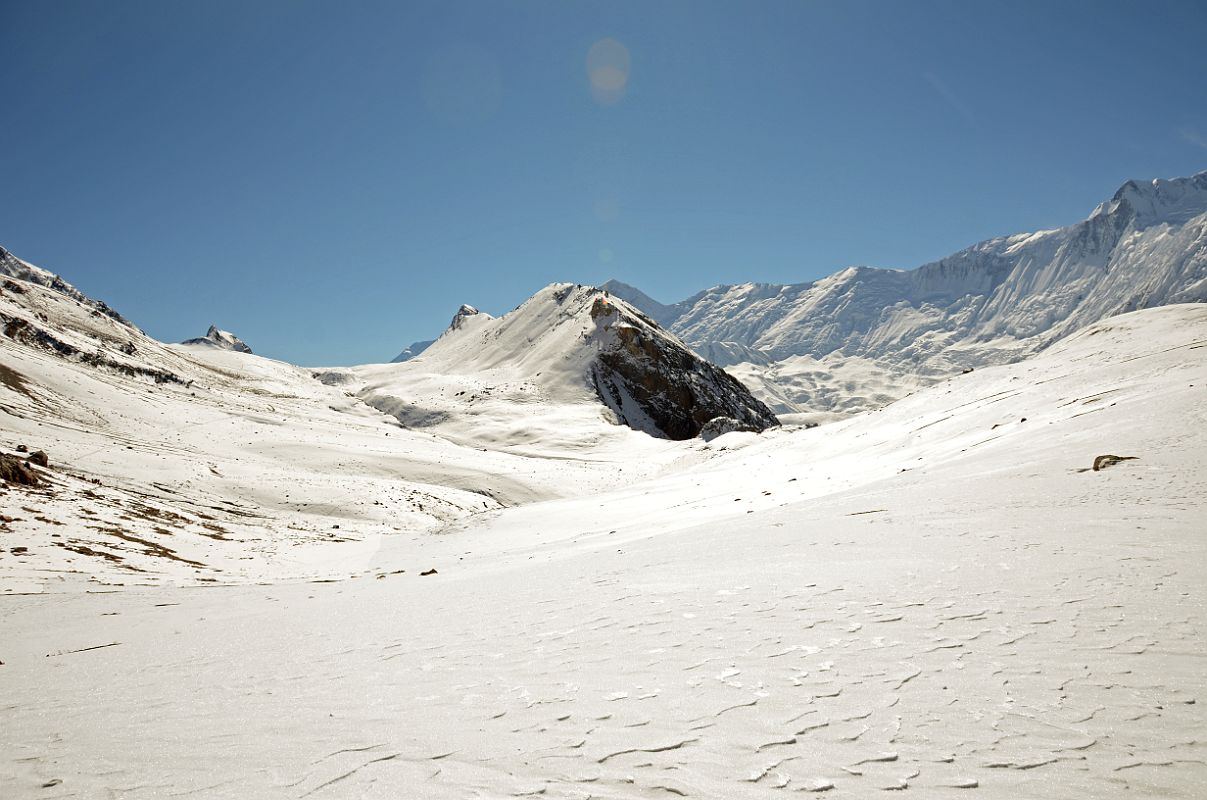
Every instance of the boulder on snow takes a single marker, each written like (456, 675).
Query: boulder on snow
(1108, 460)
(719, 426)
(14, 470)
(40, 458)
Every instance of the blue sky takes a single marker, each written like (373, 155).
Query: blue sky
(331, 180)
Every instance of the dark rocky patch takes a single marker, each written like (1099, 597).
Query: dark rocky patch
(25, 332)
(1108, 460)
(646, 371)
(14, 470)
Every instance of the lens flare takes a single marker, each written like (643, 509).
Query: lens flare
(608, 66)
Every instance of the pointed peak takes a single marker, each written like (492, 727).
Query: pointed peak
(464, 313)
(1158, 201)
(223, 340)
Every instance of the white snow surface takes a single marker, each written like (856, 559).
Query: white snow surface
(939, 597)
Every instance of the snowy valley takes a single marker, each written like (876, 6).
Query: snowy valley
(557, 553)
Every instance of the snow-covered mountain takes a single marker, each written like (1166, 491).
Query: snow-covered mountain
(994, 302)
(567, 345)
(415, 348)
(412, 350)
(13, 267)
(223, 340)
(195, 463)
(941, 599)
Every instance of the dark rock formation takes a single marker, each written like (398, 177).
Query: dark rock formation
(1102, 462)
(652, 380)
(15, 471)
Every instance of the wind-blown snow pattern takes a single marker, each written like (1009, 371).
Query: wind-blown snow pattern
(992, 303)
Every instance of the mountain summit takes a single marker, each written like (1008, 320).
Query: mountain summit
(995, 302)
(572, 345)
(223, 340)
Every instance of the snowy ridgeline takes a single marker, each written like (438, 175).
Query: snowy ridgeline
(863, 337)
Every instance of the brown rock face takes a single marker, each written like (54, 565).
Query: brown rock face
(650, 379)
(15, 471)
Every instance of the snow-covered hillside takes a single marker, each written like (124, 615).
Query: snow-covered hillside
(992, 303)
(569, 350)
(459, 576)
(941, 598)
(200, 463)
(13, 267)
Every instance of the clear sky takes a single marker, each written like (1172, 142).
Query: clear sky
(330, 180)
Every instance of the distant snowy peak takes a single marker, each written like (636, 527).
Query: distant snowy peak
(220, 339)
(412, 350)
(995, 301)
(13, 267)
(1158, 201)
(466, 316)
(659, 312)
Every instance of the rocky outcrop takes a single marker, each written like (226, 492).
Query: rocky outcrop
(1102, 462)
(18, 472)
(13, 267)
(653, 382)
(463, 313)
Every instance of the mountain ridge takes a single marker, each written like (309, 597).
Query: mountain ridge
(570, 343)
(992, 302)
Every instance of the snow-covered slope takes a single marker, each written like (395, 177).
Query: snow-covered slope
(992, 303)
(195, 463)
(416, 348)
(223, 340)
(568, 347)
(13, 267)
(940, 599)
